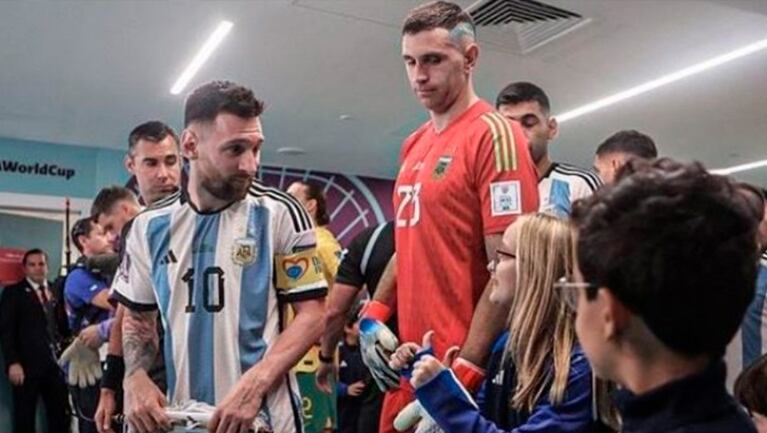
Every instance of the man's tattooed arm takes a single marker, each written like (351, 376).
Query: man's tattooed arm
(140, 341)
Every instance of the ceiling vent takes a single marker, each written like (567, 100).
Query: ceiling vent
(532, 23)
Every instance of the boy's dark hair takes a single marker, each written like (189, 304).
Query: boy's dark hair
(522, 91)
(755, 198)
(82, 227)
(751, 387)
(209, 100)
(107, 198)
(677, 246)
(631, 142)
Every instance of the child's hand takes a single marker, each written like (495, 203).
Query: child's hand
(425, 369)
(356, 389)
(405, 353)
(428, 367)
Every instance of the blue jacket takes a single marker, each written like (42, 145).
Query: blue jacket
(80, 287)
(447, 403)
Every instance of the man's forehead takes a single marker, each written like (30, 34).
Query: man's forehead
(151, 149)
(35, 258)
(230, 127)
(228, 121)
(520, 109)
(427, 41)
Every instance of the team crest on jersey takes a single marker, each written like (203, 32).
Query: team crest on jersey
(244, 251)
(442, 164)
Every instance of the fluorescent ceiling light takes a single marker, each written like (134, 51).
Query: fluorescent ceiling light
(206, 50)
(742, 167)
(662, 81)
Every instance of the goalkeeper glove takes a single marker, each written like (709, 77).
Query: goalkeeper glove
(377, 343)
(84, 367)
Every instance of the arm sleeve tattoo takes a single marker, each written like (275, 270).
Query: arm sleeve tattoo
(140, 341)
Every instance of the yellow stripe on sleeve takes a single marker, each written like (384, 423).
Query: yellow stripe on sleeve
(511, 160)
(504, 152)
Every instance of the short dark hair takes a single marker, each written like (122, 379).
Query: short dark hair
(665, 234)
(82, 227)
(523, 91)
(108, 197)
(32, 252)
(315, 192)
(631, 142)
(153, 131)
(756, 199)
(434, 15)
(751, 386)
(210, 99)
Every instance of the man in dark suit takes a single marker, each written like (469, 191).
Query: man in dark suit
(28, 337)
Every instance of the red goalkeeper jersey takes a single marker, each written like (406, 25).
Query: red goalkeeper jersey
(454, 187)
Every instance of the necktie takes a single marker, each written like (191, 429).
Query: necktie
(44, 298)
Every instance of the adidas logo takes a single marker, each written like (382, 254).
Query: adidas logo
(169, 258)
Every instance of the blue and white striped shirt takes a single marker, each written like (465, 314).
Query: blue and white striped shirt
(215, 279)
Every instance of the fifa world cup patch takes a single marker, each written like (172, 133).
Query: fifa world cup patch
(442, 164)
(506, 198)
(244, 251)
(300, 269)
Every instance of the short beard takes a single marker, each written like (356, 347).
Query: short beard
(538, 151)
(227, 189)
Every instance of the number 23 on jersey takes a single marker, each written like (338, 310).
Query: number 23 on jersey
(409, 209)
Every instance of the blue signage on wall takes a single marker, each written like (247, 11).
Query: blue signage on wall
(29, 167)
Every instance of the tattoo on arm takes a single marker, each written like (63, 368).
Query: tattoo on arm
(140, 341)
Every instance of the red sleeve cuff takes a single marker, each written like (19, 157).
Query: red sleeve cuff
(470, 375)
(376, 310)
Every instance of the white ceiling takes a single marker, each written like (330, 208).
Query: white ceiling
(86, 72)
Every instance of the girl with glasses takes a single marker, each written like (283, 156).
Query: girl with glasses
(538, 379)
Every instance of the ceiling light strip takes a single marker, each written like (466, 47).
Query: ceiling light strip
(205, 52)
(742, 167)
(662, 81)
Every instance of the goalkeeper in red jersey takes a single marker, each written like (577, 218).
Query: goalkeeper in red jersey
(465, 175)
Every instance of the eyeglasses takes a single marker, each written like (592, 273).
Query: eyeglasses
(500, 253)
(570, 292)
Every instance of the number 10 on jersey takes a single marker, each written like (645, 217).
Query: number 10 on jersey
(212, 289)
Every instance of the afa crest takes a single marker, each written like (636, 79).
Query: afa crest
(244, 251)
(442, 164)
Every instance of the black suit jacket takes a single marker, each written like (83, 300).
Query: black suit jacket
(24, 334)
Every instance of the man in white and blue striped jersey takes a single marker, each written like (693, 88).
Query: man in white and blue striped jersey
(558, 184)
(613, 153)
(219, 262)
